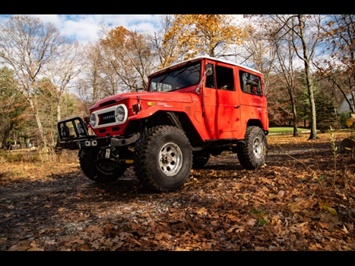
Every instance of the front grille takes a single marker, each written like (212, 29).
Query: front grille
(107, 118)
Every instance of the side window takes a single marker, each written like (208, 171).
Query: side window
(250, 83)
(225, 78)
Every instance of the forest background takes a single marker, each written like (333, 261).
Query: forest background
(307, 62)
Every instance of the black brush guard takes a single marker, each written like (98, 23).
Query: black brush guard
(72, 131)
(73, 134)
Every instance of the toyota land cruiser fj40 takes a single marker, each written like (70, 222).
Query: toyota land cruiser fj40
(189, 111)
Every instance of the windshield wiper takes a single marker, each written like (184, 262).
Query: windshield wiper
(164, 77)
(179, 72)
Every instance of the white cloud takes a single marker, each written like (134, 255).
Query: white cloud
(87, 28)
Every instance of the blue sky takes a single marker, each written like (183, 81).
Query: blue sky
(86, 28)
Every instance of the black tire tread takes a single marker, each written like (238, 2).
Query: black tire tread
(88, 163)
(245, 149)
(146, 168)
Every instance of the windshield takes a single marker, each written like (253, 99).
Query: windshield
(179, 78)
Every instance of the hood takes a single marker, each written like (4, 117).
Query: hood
(173, 96)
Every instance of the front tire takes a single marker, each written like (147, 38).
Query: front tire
(163, 159)
(252, 152)
(99, 170)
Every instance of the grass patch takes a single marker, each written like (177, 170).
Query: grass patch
(286, 130)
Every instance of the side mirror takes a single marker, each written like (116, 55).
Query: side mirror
(209, 70)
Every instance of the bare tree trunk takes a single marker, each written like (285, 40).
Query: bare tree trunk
(59, 111)
(306, 60)
(34, 108)
(294, 112)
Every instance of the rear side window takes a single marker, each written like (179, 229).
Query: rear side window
(250, 83)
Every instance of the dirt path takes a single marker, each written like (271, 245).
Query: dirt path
(300, 200)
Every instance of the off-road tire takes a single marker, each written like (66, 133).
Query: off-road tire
(200, 159)
(163, 159)
(252, 151)
(99, 170)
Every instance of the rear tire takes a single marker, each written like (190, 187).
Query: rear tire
(252, 152)
(163, 158)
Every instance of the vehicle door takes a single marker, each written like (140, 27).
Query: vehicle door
(221, 103)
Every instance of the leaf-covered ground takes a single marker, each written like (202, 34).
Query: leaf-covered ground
(302, 200)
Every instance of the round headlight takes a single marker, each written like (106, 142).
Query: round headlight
(93, 120)
(120, 113)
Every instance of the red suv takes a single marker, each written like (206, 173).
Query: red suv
(188, 112)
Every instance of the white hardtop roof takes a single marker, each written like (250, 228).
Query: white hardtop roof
(208, 57)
